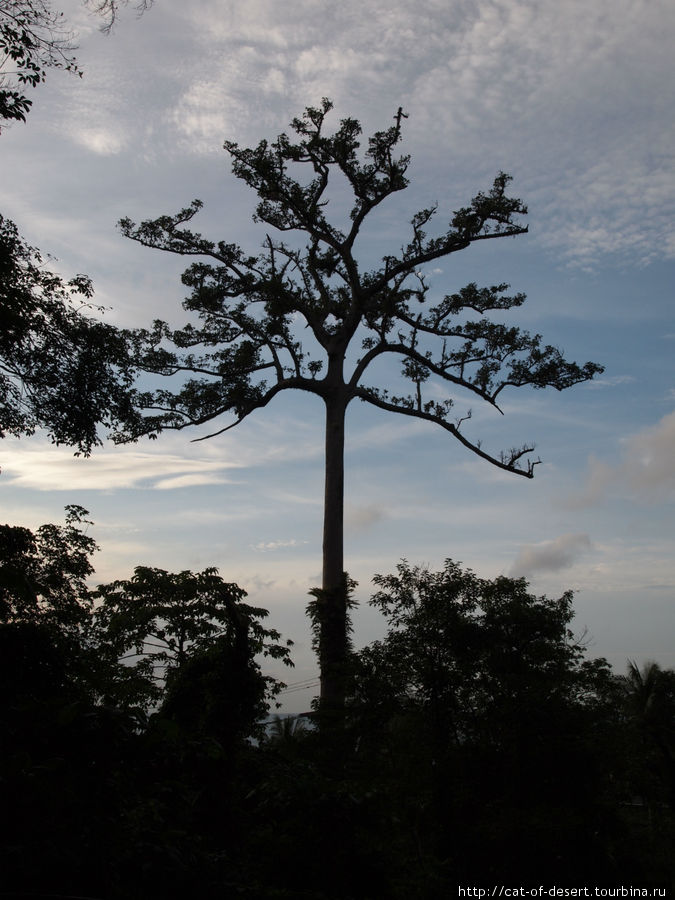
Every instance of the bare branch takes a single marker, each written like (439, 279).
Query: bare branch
(109, 10)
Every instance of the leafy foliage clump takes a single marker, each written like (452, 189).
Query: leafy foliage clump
(177, 631)
(60, 368)
(43, 575)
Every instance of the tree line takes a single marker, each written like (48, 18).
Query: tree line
(479, 742)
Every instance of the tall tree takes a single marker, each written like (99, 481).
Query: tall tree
(246, 349)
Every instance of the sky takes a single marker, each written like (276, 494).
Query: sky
(575, 101)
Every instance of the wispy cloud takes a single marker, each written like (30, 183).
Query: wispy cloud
(54, 469)
(610, 381)
(559, 83)
(194, 480)
(266, 546)
(102, 141)
(646, 471)
(550, 556)
(362, 518)
(570, 97)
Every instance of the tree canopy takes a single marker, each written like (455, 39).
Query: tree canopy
(43, 574)
(478, 737)
(161, 622)
(61, 368)
(502, 727)
(249, 305)
(482, 651)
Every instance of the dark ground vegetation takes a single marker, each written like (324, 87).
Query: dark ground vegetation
(481, 745)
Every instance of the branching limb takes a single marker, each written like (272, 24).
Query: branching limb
(424, 362)
(163, 233)
(507, 460)
(109, 10)
(471, 297)
(303, 384)
(489, 216)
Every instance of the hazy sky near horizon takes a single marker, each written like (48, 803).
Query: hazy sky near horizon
(575, 101)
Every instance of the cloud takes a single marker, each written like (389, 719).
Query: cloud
(93, 118)
(646, 471)
(569, 93)
(570, 97)
(102, 141)
(182, 481)
(611, 381)
(54, 469)
(386, 433)
(361, 518)
(266, 546)
(550, 556)
(257, 583)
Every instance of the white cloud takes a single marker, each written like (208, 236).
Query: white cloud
(103, 141)
(266, 546)
(611, 381)
(182, 481)
(56, 469)
(550, 556)
(571, 97)
(257, 583)
(646, 471)
(386, 432)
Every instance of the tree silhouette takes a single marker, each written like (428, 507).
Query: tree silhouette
(246, 349)
(158, 622)
(650, 703)
(43, 574)
(60, 368)
(480, 706)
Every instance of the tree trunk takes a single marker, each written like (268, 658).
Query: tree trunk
(333, 637)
